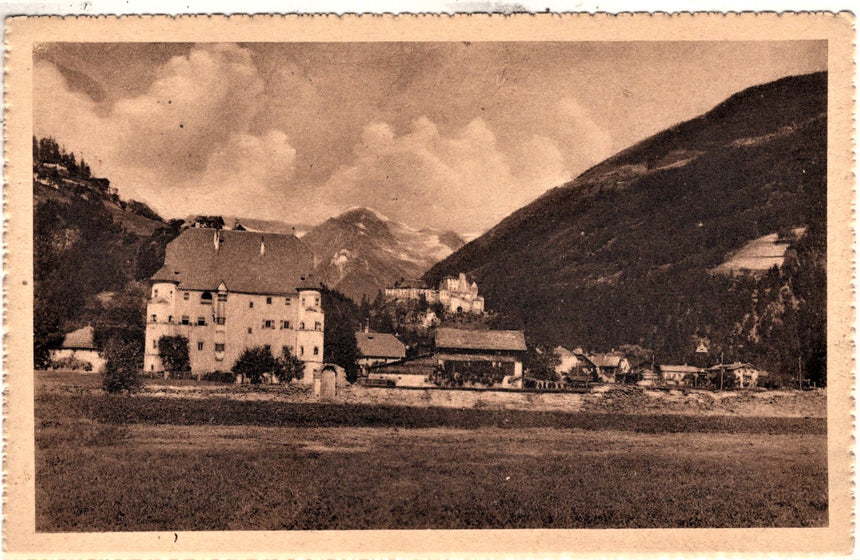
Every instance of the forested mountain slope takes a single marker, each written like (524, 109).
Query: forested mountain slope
(626, 252)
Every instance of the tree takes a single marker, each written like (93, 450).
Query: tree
(173, 351)
(214, 222)
(256, 361)
(540, 363)
(423, 305)
(342, 322)
(291, 367)
(121, 370)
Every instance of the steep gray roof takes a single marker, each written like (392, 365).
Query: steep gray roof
(379, 345)
(480, 340)
(606, 360)
(680, 369)
(193, 261)
(81, 339)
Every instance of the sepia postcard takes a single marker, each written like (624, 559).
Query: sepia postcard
(429, 286)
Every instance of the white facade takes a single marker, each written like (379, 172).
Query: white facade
(220, 325)
(456, 294)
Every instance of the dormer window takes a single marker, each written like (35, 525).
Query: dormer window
(206, 298)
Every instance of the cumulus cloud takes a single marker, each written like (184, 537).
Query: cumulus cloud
(187, 141)
(462, 180)
(220, 131)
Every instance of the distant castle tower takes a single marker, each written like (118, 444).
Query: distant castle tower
(456, 294)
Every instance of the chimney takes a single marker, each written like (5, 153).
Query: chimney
(217, 239)
(262, 246)
(367, 327)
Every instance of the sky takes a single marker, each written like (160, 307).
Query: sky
(445, 135)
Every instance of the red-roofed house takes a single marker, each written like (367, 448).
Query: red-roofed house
(230, 290)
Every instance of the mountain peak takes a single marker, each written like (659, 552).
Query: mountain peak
(356, 213)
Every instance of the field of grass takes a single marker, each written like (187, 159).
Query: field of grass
(144, 463)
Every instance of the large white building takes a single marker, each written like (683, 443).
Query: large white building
(226, 291)
(457, 295)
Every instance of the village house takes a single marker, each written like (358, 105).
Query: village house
(745, 375)
(413, 372)
(469, 357)
(573, 364)
(378, 348)
(609, 366)
(682, 376)
(457, 295)
(78, 351)
(493, 354)
(226, 291)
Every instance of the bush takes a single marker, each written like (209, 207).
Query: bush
(121, 369)
(71, 362)
(173, 351)
(219, 376)
(254, 362)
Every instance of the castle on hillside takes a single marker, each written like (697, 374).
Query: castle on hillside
(456, 294)
(226, 291)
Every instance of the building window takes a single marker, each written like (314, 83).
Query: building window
(303, 301)
(286, 350)
(206, 298)
(316, 350)
(185, 295)
(269, 324)
(219, 347)
(154, 344)
(155, 292)
(250, 330)
(201, 321)
(250, 305)
(220, 320)
(199, 346)
(317, 326)
(285, 324)
(170, 318)
(269, 299)
(222, 297)
(317, 301)
(154, 318)
(288, 301)
(301, 350)
(302, 326)
(268, 347)
(185, 319)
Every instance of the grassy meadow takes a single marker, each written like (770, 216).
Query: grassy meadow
(107, 463)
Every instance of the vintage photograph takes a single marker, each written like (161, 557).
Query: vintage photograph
(451, 284)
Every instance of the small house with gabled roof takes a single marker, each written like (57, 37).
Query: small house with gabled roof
(378, 348)
(78, 351)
